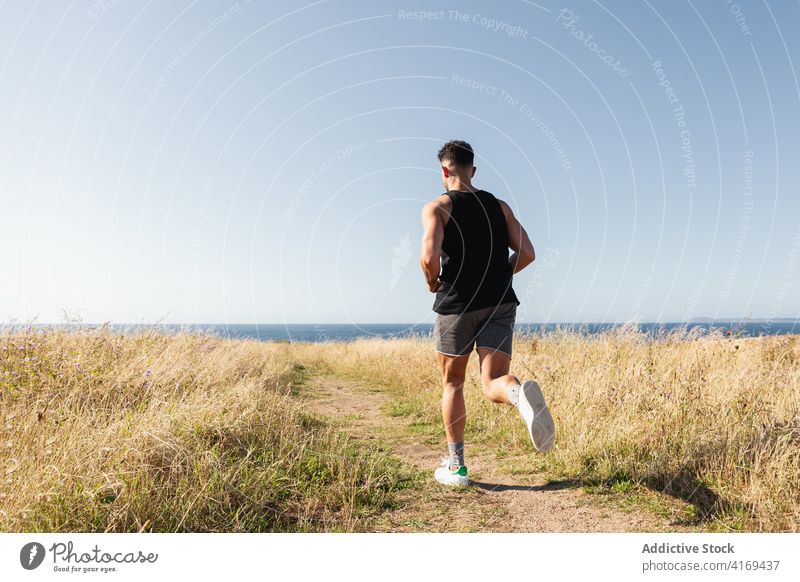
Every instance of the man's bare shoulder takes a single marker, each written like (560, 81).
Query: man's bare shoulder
(441, 207)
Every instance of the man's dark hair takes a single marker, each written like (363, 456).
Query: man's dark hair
(457, 152)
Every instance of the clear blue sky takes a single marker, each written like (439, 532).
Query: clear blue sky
(239, 162)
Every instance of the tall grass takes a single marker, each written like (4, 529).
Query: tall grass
(104, 432)
(714, 420)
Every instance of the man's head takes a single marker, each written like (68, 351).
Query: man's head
(456, 158)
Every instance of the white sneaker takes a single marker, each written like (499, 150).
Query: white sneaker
(536, 415)
(445, 476)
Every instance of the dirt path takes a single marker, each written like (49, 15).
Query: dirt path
(496, 502)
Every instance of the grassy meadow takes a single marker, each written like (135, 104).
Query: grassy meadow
(171, 433)
(154, 432)
(710, 419)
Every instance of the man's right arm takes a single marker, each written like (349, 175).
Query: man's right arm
(524, 253)
(432, 237)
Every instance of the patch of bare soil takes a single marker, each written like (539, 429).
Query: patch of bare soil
(494, 502)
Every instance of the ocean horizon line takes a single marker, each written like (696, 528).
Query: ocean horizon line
(672, 322)
(324, 332)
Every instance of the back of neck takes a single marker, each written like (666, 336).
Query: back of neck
(462, 187)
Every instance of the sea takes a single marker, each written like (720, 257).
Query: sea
(330, 332)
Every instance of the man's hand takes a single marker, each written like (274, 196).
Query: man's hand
(434, 287)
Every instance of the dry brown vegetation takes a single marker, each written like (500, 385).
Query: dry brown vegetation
(192, 433)
(102, 432)
(711, 419)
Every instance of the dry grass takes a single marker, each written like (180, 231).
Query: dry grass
(711, 419)
(192, 433)
(102, 432)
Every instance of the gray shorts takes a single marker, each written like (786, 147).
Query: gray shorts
(490, 327)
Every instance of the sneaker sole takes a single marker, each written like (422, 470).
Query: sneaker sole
(461, 482)
(542, 428)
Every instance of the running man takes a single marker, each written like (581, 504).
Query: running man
(466, 235)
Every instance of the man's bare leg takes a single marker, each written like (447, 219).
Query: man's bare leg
(454, 412)
(500, 386)
(496, 381)
(453, 470)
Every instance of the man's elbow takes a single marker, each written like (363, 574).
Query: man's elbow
(526, 256)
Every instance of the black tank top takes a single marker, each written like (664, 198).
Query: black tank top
(475, 269)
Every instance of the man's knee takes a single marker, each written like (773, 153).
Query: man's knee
(453, 381)
(453, 372)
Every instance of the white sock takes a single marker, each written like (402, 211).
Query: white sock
(513, 394)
